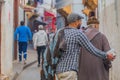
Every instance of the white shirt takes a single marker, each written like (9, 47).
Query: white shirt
(40, 38)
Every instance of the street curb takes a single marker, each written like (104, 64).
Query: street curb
(28, 65)
(15, 76)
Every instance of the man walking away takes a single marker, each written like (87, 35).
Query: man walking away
(40, 41)
(90, 66)
(23, 35)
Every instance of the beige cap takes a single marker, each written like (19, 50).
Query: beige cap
(40, 27)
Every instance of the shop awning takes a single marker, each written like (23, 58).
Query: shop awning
(50, 19)
(46, 13)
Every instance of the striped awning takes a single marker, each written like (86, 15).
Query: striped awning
(62, 3)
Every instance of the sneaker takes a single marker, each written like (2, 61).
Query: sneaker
(24, 62)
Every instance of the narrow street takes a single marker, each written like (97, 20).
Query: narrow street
(50, 16)
(31, 73)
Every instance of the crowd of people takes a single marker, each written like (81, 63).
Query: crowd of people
(71, 53)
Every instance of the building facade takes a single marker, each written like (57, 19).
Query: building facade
(110, 25)
(9, 20)
(64, 8)
(77, 7)
(108, 14)
(7, 30)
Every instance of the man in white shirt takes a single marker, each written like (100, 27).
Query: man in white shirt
(40, 41)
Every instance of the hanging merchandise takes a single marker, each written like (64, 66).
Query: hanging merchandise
(50, 19)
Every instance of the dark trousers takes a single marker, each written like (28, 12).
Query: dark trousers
(40, 50)
(22, 49)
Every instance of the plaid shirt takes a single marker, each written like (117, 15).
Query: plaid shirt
(75, 39)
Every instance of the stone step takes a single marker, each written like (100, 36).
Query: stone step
(3, 77)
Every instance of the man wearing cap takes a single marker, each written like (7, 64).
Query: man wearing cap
(67, 66)
(40, 41)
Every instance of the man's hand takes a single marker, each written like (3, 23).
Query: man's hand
(111, 55)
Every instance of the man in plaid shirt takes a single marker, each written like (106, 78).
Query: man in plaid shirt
(67, 67)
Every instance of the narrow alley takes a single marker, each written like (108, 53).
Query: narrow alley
(26, 71)
(49, 17)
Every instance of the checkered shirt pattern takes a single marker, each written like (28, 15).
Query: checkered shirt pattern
(69, 59)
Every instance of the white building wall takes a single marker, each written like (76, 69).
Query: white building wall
(21, 14)
(7, 37)
(109, 17)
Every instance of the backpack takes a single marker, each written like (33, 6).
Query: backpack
(52, 55)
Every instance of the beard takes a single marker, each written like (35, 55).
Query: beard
(78, 26)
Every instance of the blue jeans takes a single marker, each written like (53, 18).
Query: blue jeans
(22, 49)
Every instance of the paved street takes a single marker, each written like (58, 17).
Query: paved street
(32, 57)
(31, 73)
